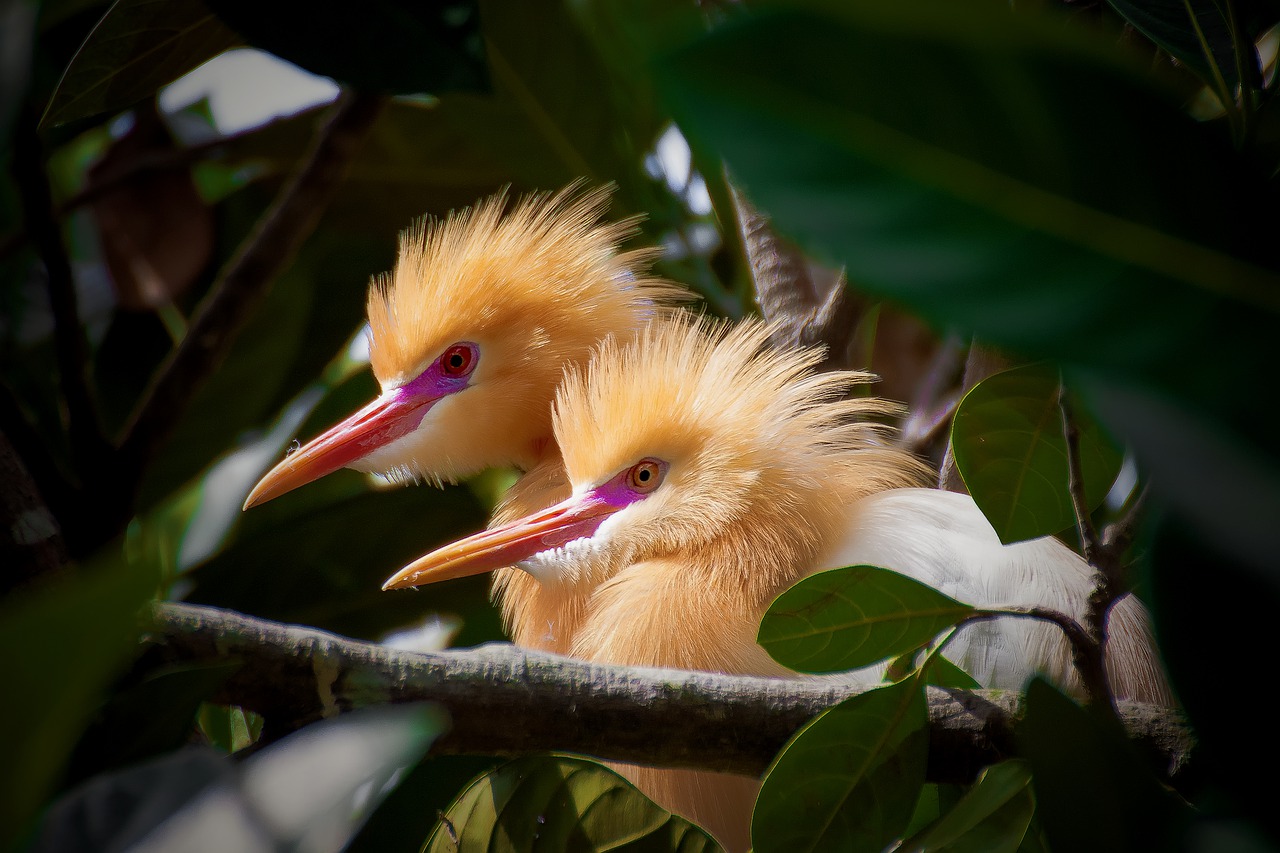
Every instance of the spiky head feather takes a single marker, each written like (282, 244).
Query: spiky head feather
(763, 453)
(535, 288)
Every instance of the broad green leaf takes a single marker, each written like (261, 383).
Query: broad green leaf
(1092, 791)
(992, 817)
(555, 803)
(68, 641)
(379, 45)
(1009, 447)
(941, 672)
(1011, 177)
(137, 47)
(1195, 32)
(849, 779)
(853, 617)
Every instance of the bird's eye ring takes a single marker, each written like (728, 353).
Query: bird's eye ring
(458, 360)
(645, 476)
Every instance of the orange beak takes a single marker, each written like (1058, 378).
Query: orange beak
(509, 544)
(376, 425)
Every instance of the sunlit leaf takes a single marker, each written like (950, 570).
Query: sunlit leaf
(137, 47)
(557, 803)
(853, 617)
(1092, 791)
(69, 641)
(992, 817)
(850, 778)
(1009, 447)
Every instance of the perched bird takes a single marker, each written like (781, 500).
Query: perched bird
(709, 473)
(469, 336)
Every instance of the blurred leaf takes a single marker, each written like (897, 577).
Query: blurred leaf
(557, 803)
(991, 818)
(1169, 23)
(137, 47)
(961, 159)
(1092, 792)
(853, 617)
(113, 810)
(1207, 607)
(849, 779)
(1009, 447)
(325, 567)
(311, 791)
(379, 45)
(73, 638)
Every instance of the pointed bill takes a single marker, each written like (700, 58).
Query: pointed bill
(499, 547)
(387, 418)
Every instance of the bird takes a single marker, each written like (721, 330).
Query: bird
(709, 473)
(469, 335)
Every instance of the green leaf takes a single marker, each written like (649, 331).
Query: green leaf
(379, 45)
(853, 617)
(137, 47)
(1009, 447)
(1092, 791)
(992, 816)
(557, 803)
(1009, 177)
(67, 642)
(850, 778)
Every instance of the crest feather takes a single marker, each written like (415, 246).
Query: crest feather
(549, 268)
(686, 382)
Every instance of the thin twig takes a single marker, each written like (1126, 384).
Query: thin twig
(1086, 652)
(506, 701)
(1089, 542)
(242, 285)
(89, 446)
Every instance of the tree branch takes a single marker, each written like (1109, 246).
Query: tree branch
(507, 701)
(241, 286)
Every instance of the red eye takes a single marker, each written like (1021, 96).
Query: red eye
(645, 476)
(457, 360)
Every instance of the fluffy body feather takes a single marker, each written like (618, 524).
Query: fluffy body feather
(534, 288)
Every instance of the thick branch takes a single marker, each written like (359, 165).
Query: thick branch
(506, 701)
(243, 283)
